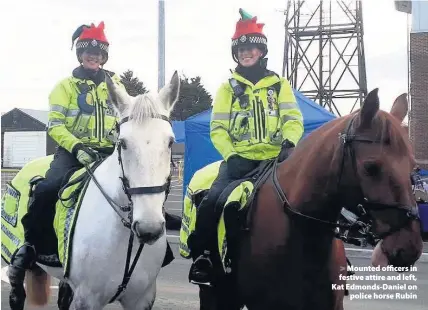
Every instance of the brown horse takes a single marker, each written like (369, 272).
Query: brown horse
(289, 258)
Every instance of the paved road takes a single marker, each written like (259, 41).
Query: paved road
(174, 291)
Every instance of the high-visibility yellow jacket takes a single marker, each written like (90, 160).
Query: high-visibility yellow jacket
(257, 130)
(81, 112)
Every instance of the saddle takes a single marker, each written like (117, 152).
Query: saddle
(257, 177)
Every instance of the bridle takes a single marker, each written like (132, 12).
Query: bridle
(128, 208)
(364, 205)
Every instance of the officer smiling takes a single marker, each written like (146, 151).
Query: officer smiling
(255, 117)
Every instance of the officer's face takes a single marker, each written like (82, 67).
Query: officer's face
(91, 60)
(248, 55)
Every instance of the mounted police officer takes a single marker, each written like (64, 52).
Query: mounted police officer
(80, 121)
(255, 117)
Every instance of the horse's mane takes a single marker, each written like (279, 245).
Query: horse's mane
(146, 107)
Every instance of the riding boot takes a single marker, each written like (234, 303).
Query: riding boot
(200, 241)
(22, 261)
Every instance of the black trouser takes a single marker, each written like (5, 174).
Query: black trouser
(42, 204)
(207, 216)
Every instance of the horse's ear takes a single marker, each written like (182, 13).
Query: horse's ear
(400, 107)
(370, 108)
(169, 94)
(119, 97)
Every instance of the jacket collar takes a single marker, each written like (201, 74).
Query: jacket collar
(268, 80)
(84, 74)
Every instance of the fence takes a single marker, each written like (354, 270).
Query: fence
(6, 176)
(177, 170)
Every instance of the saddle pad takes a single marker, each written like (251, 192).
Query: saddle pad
(201, 181)
(67, 210)
(14, 206)
(237, 198)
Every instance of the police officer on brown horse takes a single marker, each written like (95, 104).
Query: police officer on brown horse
(255, 117)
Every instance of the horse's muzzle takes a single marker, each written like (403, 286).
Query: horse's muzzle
(148, 233)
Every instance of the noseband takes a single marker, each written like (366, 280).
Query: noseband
(129, 191)
(348, 140)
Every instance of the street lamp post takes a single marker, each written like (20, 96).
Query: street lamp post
(161, 44)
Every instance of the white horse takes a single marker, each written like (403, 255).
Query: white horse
(100, 241)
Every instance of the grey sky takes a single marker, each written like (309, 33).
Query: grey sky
(36, 40)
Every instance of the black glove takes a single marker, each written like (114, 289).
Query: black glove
(286, 149)
(238, 166)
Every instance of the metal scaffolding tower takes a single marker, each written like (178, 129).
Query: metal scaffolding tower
(324, 52)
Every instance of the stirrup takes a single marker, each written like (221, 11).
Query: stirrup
(201, 283)
(210, 267)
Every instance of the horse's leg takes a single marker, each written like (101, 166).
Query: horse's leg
(85, 299)
(338, 270)
(65, 296)
(38, 284)
(135, 300)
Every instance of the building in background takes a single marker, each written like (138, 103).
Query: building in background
(418, 118)
(418, 77)
(24, 137)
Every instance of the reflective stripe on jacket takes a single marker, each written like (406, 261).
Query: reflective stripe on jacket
(255, 131)
(81, 112)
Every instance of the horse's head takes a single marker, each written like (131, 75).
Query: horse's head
(144, 148)
(377, 162)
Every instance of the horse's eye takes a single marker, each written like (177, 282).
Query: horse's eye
(123, 144)
(372, 169)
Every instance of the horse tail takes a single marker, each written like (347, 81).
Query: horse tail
(38, 284)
